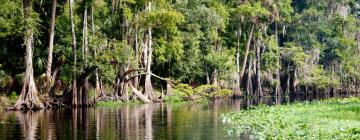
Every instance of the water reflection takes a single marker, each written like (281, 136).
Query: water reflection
(141, 122)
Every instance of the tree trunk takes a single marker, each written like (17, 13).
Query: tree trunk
(84, 97)
(85, 37)
(50, 79)
(85, 92)
(139, 95)
(237, 89)
(214, 77)
(246, 52)
(28, 98)
(74, 86)
(277, 90)
(123, 84)
(148, 86)
(287, 91)
(258, 72)
(249, 80)
(136, 79)
(97, 79)
(168, 89)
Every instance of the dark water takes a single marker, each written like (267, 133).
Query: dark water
(185, 121)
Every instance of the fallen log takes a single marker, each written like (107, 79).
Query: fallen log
(139, 94)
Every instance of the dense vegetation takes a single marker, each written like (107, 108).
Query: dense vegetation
(328, 119)
(76, 52)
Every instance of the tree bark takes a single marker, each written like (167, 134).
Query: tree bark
(136, 79)
(287, 91)
(237, 89)
(84, 96)
(249, 80)
(258, 72)
(28, 98)
(148, 86)
(138, 94)
(97, 78)
(168, 89)
(246, 52)
(49, 79)
(214, 77)
(277, 90)
(74, 86)
(84, 48)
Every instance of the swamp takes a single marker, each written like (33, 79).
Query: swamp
(179, 69)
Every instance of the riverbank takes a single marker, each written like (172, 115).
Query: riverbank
(325, 119)
(182, 93)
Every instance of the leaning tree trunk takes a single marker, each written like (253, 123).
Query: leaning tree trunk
(28, 98)
(49, 79)
(246, 52)
(74, 86)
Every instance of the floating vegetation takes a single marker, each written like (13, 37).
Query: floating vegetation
(327, 119)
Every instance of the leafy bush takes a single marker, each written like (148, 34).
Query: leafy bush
(208, 91)
(173, 99)
(13, 97)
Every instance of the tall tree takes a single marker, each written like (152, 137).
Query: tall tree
(28, 98)
(49, 79)
(74, 85)
(148, 51)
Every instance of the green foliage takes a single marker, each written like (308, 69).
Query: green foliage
(13, 97)
(252, 10)
(270, 58)
(319, 78)
(163, 19)
(331, 119)
(221, 93)
(10, 17)
(294, 53)
(203, 91)
(173, 99)
(314, 42)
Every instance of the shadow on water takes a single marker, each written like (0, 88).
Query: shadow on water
(184, 121)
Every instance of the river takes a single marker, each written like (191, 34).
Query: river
(161, 121)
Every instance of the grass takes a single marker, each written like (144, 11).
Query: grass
(327, 119)
(116, 103)
(6, 101)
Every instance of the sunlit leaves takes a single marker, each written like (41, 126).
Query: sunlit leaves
(294, 53)
(252, 10)
(271, 56)
(163, 19)
(10, 17)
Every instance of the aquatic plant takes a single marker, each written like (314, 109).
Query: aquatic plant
(328, 119)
